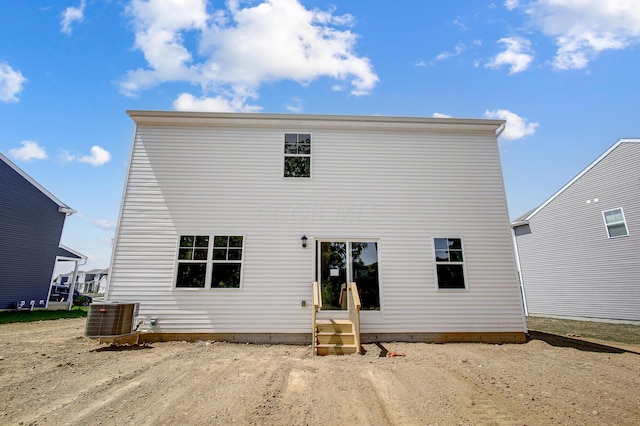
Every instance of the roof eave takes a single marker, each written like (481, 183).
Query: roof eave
(62, 207)
(527, 217)
(185, 118)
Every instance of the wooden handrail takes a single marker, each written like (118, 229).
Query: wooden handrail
(317, 304)
(317, 299)
(353, 306)
(342, 300)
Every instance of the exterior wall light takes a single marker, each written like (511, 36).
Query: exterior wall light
(304, 241)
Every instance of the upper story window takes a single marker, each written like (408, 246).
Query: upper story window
(203, 266)
(449, 263)
(615, 223)
(297, 155)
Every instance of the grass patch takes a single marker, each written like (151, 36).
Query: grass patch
(30, 316)
(622, 333)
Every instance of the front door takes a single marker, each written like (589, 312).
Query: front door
(341, 262)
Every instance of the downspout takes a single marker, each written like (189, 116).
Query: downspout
(517, 254)
(501, 129)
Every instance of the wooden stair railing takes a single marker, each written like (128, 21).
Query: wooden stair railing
(353, 306)
(336, 336)
(317, 304)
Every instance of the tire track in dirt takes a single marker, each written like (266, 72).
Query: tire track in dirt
(392, 397)
(89, 396)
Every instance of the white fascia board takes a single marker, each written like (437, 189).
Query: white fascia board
(62, 207)
(72, 251)
(368, 122)
(526, 219)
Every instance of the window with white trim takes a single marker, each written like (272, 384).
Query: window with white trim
(205, 262)
(615, 223)
(297, 155)
(449, 263)
(227, 261)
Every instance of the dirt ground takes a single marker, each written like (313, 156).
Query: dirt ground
(50, 374)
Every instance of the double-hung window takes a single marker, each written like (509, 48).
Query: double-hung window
(193, 254)
(297, 155)
(227, 261)
(615, 223)
(209, 262)
(449, 263)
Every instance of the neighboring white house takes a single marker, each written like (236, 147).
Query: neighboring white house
(228, 218)
(93, 281)
(579, 252)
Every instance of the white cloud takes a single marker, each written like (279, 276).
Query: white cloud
(188, 102)
(294, 105)
(457, 22)
(516, 55)
(516, 127)
(584, 28)
(66, 156)
(98, 157)
(440, 115)
(460, 47)
(241, 48)
(105, 224)
(71, 15)
(511, 4)
(30, 151)
(11, 83)
(108, 241)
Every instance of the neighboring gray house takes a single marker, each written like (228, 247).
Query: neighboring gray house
(227, 219)
(579, 252)
(31, 221)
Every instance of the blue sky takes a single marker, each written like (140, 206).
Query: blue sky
(563, 73)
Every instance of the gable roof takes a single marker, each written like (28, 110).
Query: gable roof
(524, 219)
(62, 207)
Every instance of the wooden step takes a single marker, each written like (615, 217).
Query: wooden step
(335, 338)
(330, 349)
(336, 326)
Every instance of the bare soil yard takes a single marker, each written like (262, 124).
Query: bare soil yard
(50, 374)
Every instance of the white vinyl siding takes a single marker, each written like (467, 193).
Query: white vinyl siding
(371, 180)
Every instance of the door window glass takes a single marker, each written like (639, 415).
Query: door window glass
(344, 262)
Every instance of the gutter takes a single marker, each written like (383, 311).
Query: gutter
(66, 210)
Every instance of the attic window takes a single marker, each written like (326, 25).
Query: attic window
(615, 223)
(297, 155)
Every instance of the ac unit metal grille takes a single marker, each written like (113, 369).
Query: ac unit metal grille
(110, 319)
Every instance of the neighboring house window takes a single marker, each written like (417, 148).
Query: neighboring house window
(616, 225)
(449, 263)
(297, 155)
(200, 266)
